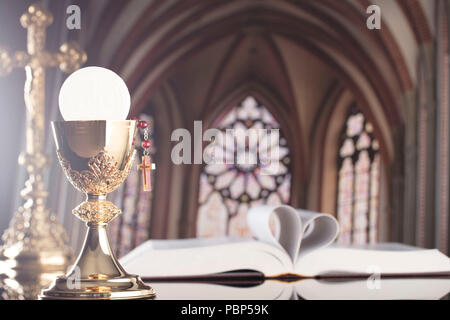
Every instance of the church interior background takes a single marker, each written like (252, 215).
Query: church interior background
(363, 114)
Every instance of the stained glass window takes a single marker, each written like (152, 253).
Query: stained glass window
(255, 170)
(131, 228)
(358, 181)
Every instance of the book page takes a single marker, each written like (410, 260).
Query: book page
(199, 257)
(319, 230)
(339, 261)
(297, 231)
(289, 229)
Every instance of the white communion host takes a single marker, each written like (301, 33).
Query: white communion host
(94, 93)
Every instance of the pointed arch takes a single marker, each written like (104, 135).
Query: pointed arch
(286, 116)
(358, 180)
(333, 164)
(240, 179)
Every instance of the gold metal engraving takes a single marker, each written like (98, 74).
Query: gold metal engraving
(102, 178)
(103, 175)
(35, 241)
(100, 211)
(96, 157)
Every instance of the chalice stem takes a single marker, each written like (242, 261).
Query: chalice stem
(96, 259)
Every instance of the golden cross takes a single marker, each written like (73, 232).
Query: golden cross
(35, 60)
(33, 229)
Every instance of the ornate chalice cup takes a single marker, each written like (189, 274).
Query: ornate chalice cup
(96, 157)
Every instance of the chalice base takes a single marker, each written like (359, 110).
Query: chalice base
(97, 275)
(119, 288)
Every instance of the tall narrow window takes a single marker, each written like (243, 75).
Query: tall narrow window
(229, 189)
(132, 227)
(358, 181)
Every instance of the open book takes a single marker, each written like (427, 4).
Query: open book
(298, 246)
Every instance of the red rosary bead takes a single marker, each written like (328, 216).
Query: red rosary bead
(146, 144)
(143, 124)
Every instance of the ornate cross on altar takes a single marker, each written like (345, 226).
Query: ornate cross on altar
(34, 232)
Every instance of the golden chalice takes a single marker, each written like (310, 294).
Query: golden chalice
(96, 157)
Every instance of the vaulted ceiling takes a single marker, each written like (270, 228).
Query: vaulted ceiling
(190, 59)
(297, 52)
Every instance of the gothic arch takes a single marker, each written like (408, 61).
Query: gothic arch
(288, 128)
(329, 131)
